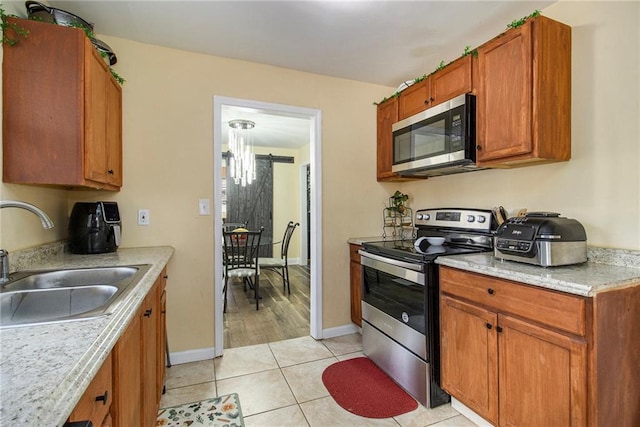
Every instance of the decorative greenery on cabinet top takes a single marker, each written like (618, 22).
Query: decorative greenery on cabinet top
(467, 51)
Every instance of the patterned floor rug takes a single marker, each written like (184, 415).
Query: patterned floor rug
(219, 411)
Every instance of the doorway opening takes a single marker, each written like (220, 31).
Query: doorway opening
(312, 206)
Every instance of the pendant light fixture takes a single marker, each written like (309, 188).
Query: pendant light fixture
(242, 161)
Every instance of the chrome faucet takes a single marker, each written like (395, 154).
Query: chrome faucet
(46, 224)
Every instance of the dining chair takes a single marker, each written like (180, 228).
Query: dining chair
(230, 226)
(240, 259)
(281, 265)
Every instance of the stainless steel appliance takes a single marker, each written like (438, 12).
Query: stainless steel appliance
(94, 227)
(542, 238)
(437, 141)
(400, 297)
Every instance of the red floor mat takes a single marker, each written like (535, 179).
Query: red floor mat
(361, 388)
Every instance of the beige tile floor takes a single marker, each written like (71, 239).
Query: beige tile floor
(280, 384)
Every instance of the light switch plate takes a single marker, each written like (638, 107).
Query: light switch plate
(143, 216)
(204, 207)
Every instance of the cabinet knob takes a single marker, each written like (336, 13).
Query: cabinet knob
(165, 277)
(110, 171)
(148, 313)
(491, 291)
(426, 102)
(478, 147)
(489, 326)
(103, 398)
(499, 329)
(431, 99)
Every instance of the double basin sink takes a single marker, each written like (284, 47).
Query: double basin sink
(35, 297)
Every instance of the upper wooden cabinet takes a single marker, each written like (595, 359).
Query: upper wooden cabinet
(62, 111)
(441, 86)
(387, 116)
(414, 99)
(524, 95)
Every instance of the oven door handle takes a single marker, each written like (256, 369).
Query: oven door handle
(406, 270)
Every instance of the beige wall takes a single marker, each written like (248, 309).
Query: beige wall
(168, 102)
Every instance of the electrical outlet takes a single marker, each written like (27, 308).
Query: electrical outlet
(204, 207)
(143, 216)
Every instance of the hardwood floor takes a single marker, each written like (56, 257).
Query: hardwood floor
(281, 316)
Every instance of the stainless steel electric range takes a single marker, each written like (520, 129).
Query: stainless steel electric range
(400, 296)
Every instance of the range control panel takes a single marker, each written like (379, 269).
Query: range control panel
(467, 219)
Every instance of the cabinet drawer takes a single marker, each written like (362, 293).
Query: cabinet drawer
(95, 403)
(353, 253)
(556, 309)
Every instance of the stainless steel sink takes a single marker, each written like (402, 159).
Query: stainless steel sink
(65, 295)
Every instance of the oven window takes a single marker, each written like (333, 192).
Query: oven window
(399, 298)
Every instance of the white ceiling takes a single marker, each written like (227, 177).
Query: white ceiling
(382, 42)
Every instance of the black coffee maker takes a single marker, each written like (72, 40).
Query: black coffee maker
(94, 228)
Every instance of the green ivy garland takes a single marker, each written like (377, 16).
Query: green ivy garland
(5, 25)
(467, 51)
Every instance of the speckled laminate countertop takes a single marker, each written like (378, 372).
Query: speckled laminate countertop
(44, 369)
(605, 270)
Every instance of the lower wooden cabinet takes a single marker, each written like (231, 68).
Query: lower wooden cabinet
(127, 377)
(469, 359)
(95, 403)
(519, 355)
(539, 368)
(149, 324)
(355, 270)
(138, 363)
(162, 335)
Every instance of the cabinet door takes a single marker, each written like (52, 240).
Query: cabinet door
(504, 102)
(542, 376)
(95, 117)
(414, 99)
(162, 337)
(452, 81)
(127, 377)
(61, 118)
(355, 273)
(114, 131)
(95, 403)
(387, 116)
(468, 352)
(150, 314)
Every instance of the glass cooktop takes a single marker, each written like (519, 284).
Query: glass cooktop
(405, 250)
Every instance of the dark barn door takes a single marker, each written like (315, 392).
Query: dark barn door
(253, 204)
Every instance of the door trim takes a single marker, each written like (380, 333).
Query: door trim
(304, 227)
(315, 117)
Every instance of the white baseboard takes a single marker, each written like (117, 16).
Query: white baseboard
(180, 357)
(467, 412)
(340, 330)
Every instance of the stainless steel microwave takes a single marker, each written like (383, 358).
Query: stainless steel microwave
(437, 141)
